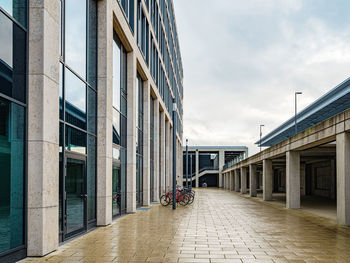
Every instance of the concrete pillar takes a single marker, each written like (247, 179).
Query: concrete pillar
(293, 179)
(302, 179)
(43, 128)
(267, 180)
(231, 180)
(253, 179)
(237, 187)
(343, 178)
(105, 115)
(243, 180)
(156, 151)
(162, 152)
(221, 165)
(146, 144)
(131, 133)
(225, 180)
(197, 168)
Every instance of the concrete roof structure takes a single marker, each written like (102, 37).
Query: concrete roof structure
(332, 103)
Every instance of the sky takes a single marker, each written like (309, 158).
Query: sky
(244, 59)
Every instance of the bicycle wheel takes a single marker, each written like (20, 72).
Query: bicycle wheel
(183, 200)
(164, 200)
(191, 198)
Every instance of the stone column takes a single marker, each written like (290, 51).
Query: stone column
(221, 164)
(105, 114)
(224, 179)
(252, 181)
(267, 180)
(131, 133)
(43, 128)
(243, 180)
(167, 155)
(231, 180)
(197, 168)
(146, 143)
(162, 152)
(156, 151)
(303, 179)
(236, 180)
(293, 179)
(343, 178)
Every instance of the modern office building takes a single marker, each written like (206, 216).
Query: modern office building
(90, 95)
(205, 163)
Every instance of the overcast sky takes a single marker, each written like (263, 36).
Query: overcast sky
(244, 59)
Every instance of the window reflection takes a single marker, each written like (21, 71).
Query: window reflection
(12, 119)
(12, 59)
(75, 140)
(75, 35)
(17, 9)
(6, 32)
(116, 74)
(75, 94)
(116, 127)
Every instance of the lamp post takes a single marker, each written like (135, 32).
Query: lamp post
(295, 107)
(261, 125)
(174, 154)
(186, 163)
(191, 170)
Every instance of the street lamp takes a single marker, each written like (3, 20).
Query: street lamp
(186, 163)
(174, 153)
(261, 125)
(295, 105)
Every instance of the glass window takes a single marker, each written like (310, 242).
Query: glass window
(17, 9)
(91, 178)
(12, 59)
(75, 35)
(75, 94)
(12, 124)
(61, 91)
(116, 73)
(116, 127)
(6, 41)
(75, 140)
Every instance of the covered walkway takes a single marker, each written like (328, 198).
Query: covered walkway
(221, 226)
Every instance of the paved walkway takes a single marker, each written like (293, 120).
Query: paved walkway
(220, 226)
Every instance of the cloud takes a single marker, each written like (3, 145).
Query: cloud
(243, 60)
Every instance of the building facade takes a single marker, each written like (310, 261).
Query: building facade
(87, 116)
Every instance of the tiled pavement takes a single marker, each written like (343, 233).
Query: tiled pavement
(220, 226)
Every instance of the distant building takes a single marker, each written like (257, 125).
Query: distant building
(205, 163)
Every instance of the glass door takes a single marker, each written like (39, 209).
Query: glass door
(75, 193)
(116, 185)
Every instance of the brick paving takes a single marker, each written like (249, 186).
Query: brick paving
(220, 226)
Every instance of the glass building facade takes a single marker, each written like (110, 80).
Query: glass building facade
(119, 127)
(144, 24)
(78, 116)
(13, 107)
